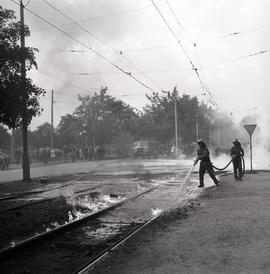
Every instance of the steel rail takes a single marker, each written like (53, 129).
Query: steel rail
(22, 194)
(12, 249)
(87, 267)
(84, 269)
(46, 200)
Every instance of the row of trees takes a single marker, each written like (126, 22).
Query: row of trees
(99, 119)
(104, 120)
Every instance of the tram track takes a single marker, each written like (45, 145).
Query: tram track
(24, 243)
(87, 267)
(29, 193)
(81, 192)
(53, 237)
(91, 263)
(91, 219)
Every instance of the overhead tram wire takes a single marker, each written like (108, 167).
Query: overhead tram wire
(205, 87)
(168, 46)
(196, 50)
(235, 33)
(187, 56)
(99, 17)
(227, 35)
(112, 72)
(235, 59)
(178, 22)
(189, 38)
(101, 41)
(86, 46)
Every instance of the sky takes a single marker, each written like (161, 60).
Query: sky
(111, 37)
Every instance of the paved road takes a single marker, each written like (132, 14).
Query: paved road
(108, 167)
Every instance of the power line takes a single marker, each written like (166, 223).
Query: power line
(238, 58)
(111, 72)
(98, 17)
(239, 32)
(99, 39)
(178, 22)
(71, 84)
(78, 25)
(203, 84)
(84, 45)
(187, 56)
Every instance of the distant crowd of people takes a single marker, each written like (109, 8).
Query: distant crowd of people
(4, 159)
(73, 153)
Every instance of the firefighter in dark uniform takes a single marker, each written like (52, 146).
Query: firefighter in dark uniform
(237, 152)
(205, 164)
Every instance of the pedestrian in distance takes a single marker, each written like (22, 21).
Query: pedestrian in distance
(237, 153)
(203, 155)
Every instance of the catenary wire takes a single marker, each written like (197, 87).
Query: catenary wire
(194, 45)
(186, 54)
(235, 59)
(98, 17)
(178, 22)
(86, 46)
(100, 40)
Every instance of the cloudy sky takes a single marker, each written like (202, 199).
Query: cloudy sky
(231, 54)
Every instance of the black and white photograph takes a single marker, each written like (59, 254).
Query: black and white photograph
(134, 136)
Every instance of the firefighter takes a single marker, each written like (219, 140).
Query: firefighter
(205, 164)
(237, 152)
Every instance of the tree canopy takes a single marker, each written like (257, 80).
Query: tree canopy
(100, 117)
(11, 54)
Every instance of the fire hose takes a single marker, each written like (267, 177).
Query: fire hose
(242, 162)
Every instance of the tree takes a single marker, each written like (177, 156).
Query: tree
(159, 116)
(11, 107)
(41, 136)
(161, 113)
(5, 138)
(103, 117)
(68, 131)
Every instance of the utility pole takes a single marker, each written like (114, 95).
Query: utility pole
(197, 128)
(175, 92)
(210, 136)
(26, 167)
(218, 136)
(210, 132)
(52, 129)
(12, 147)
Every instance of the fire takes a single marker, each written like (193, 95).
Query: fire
(156, 211)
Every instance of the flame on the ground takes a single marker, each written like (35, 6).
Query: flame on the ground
(82, 206)
(155, 211)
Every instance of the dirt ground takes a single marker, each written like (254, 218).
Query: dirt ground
(225, 231)
(25, 222)
(16, 225)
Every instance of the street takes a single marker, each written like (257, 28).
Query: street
(108, 167)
